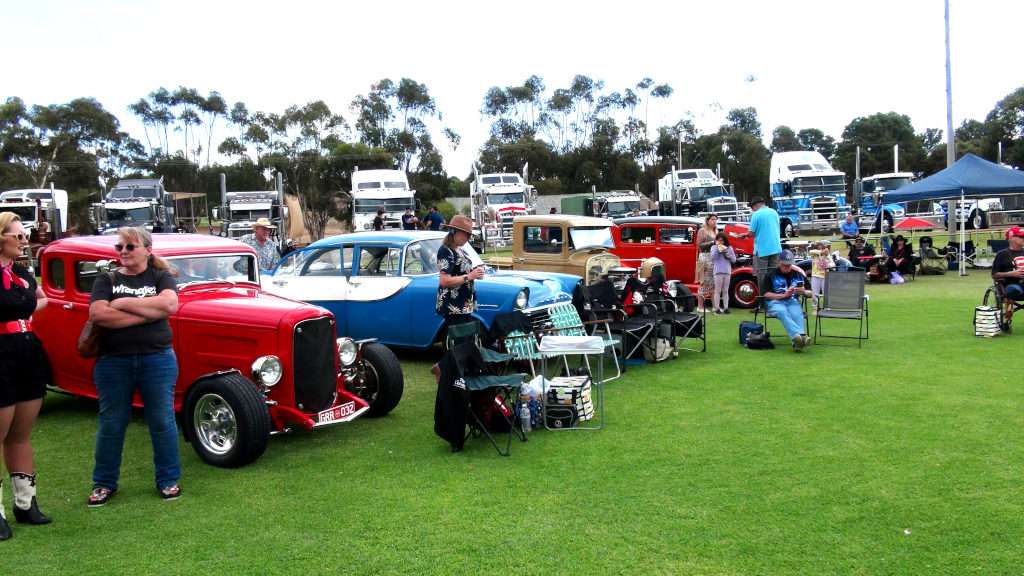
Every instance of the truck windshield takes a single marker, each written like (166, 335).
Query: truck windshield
(25, 213)
(129, 216)
(121, 193)
(622, 207)
(505, 198)
(216, 268)
(703, 192)
(588, 236)
(249, 215)
(885, 184)
(819, 184)
(421, 257)
(370, 205)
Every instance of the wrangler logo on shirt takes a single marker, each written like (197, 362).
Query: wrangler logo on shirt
(141, 292)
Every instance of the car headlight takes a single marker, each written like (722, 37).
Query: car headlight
(267, 370)
(523, 298)
(347, 351)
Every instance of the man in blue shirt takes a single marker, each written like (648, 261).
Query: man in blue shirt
(764, 225)
(782, 288)
(849, 228)
(433, 219)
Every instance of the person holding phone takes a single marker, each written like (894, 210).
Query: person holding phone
(456, 297)
(782, 289)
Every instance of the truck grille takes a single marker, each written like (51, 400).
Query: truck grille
(313, 354)
(825, 208)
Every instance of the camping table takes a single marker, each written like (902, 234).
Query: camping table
(553, 346)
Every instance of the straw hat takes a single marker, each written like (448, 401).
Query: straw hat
(460, 222)
(264, 222)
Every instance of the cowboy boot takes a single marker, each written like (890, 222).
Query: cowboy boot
(26, 511)
(5, 529)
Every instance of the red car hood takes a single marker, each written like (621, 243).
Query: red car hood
(242, 304)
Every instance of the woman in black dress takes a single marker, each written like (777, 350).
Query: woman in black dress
(24, 373)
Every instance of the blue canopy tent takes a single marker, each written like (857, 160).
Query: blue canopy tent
(968, 177)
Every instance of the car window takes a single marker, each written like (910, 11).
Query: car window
(55, 273)
(328, 262)
(637, 235)
(378, 261)
(542, 239)
(421, 257)
(85, 275)
(676, 235)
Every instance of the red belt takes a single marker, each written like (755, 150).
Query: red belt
(15, 327)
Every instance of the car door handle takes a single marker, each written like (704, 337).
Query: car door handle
(68, 306)
(279, 282)
(520, 260)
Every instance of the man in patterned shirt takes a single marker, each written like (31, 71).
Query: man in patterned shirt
(267, 250)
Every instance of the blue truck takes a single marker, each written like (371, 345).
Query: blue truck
(808, 194)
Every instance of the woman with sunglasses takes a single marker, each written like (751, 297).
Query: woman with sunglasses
(24, 373)
(131, 306)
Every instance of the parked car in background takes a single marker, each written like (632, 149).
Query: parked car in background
(383, 285)
(251, 364)
(559, 243)
(673, 239)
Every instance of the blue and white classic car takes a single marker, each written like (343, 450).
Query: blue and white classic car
(383, 285)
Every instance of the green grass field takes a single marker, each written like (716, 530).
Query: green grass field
(904, 457)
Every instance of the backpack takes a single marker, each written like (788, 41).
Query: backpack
(747, 328)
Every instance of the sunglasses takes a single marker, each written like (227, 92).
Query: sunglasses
(20, 236)
(128, 247)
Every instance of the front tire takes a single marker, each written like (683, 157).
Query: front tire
(788, 230)
(978, 220)
(227, 421)
(379, 379)
(743, 291)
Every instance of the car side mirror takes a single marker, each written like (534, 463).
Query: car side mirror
(105, 266)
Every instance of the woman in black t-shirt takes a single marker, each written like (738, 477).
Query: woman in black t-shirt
(131, 305)
(24, 373)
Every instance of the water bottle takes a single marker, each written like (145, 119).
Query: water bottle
(524, 416)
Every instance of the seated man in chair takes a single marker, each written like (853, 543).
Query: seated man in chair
(1008, 271)
(782, 289)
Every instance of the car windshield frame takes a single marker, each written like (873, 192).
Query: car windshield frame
(188, 276)
(581, 237)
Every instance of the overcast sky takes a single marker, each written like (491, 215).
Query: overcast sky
(814, 63)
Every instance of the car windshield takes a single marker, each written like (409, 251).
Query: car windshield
(121, 193)
(25, 213)
(129, 215)
(215, 268)
(370, 205)
(421, 257)
(505, 198)
(587, 236)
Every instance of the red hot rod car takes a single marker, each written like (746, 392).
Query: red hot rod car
(251, 364)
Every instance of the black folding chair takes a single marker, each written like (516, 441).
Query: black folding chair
(1006, 308)
(680, 314)
(844, 300)
(602, 303)
(762, 312)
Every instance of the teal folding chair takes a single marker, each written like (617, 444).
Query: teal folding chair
(566, 321)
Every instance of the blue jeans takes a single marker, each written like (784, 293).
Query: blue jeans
(117, 378)
(790, 313)
(1014, 292)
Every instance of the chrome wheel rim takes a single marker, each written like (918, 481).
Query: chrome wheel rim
(368, 387)
(216, 426)
(746, 294)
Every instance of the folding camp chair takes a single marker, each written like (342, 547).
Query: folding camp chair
(685, 322)
(995, 296)
(761, 311)
(844, 300)
(482, 371)
(603, 304)
(565, 321)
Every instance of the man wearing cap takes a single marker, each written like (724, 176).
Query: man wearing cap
(267, 251)
(782, 288)
(764, 226)
(1008, 270)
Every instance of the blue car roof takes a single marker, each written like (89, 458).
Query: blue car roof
(386, 236)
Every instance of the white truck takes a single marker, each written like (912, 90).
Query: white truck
(374, 190)
(135, 202)
(240, 209)
(496, 199)
(35, 205)
(699, 192)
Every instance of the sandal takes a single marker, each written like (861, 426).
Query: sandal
(100, 496)
(172, 492)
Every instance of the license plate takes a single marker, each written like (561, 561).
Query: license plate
(336, 413)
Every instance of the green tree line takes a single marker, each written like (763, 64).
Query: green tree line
(573, 137)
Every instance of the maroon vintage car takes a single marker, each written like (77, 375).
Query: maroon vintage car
(251, 364)
(673, 240)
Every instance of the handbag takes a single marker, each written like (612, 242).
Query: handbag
(89, 340)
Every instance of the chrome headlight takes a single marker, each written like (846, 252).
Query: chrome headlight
(347, 352)
(523, 298)
(267, 370)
